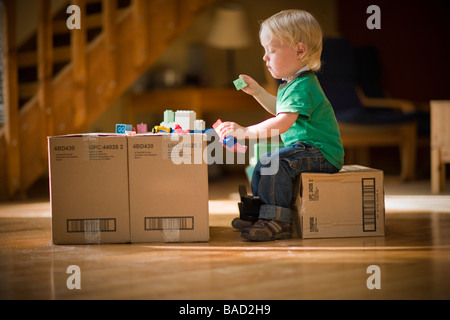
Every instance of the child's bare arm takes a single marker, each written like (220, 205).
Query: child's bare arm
(268, 128)
(264, 98)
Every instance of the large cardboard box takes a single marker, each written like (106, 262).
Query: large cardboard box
(168, 184)
(89, 189)
(346, 204)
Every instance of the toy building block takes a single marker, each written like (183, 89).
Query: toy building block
(240, 148)
(169, 116)
(130, 130)
(240, 83)
(142, 128)
(157, 129)
(185, 119)
(165, 129)
(123, 128)
(217, 123)
(167, 124)
(230, 142)
(179, 130)
(199, 126)
(120, 128)
(169, 119)
(130, 133)
(210, 132)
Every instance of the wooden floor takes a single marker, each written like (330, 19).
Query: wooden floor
(413, 258)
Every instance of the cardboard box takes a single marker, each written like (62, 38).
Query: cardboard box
(168, 183)
(346, 204)
(89, 189)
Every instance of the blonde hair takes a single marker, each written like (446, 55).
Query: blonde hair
(295, 26)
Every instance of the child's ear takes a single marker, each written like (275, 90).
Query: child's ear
(301, 50)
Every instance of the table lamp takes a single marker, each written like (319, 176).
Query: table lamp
(229, 31)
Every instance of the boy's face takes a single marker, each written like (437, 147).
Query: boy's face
(282, 60)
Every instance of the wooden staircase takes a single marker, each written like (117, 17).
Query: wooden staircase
(61, 80)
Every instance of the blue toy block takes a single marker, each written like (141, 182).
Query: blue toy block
(229, 141)
(121, 128)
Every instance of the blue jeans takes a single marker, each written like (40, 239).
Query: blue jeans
(275, 189)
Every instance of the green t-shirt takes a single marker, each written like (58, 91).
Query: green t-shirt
(316, 124)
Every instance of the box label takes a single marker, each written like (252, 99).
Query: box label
(176, 150)
(169, 223)
(313, 224)
(184, 149)
(143, 150)
(170, 226)
(369, 205)
(93, 150)
(313, 194)
(91, 225)
(63, 152)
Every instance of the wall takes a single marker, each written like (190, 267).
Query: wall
(413, 44)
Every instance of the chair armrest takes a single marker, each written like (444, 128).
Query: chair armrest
(404, 105)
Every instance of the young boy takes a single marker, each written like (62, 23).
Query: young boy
(303, 116)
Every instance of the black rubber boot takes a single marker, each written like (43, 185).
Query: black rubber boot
(248, 210)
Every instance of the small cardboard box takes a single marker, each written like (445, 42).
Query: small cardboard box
(346, 204)
(89, 189)
(168, 183)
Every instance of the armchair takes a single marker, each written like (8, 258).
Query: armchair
(366, 122)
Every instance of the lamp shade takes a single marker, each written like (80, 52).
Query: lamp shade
(229, 29)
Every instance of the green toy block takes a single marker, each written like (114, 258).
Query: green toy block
(240, 83)
(169, 116)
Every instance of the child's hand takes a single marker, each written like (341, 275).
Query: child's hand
(253, 88)
(231, 129)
